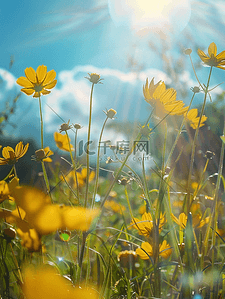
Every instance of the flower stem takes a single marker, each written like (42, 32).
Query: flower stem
(42, 130)
(97, 166)
(88, 141)
(194, 143)
(178, 134)
(45, 177)
(75, 162)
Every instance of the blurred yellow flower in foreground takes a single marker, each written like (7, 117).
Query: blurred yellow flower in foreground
(213, 59)
(11, 156)
(163, 100)
(192, 118)
(46, 283)
(38, 82)
(146, 250)
(145, 225)
(62, 142)
(39, 213)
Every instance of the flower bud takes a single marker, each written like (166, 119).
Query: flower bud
(187, 51)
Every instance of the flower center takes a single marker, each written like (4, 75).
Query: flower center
(38, 88)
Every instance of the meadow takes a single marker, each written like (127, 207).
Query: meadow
(109, 230)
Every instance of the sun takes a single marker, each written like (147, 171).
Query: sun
(151, 15)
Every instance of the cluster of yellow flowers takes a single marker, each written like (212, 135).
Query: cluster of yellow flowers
(165, 103)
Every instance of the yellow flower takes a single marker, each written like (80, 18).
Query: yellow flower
(37, 82)
(43, 155)
(30, 239)
(146, 250)
(46, 217)
(181, 221)
(10, 156)
(165, 249)
(192, 118)
(46, 283)
(114, 206)
(81, 178)
(163, 100)
(197, 221)
(213, 59)
(145, 225)
(7, 189)
(62, 142)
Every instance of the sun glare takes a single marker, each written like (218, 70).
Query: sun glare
(168, 16)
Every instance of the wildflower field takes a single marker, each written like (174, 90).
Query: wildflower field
(105, 229)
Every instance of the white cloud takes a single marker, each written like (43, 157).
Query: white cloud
(8, 79)
(70, 97)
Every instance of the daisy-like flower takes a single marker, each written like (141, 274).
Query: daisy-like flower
(11, 156)
(38, 82)
(145, 225)
(197, 221)
(146, 250)
(193, 119)
(62, 142)
(163, 100)
(213, 59)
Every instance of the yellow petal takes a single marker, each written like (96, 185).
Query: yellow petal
(50, 85)
(28, 91)
(145, 251)
(30, 199)
(168, 96)
(183, 220)
(221, 55)
(6, 152)
(212, 49)
(48, 219)
(36, 94)
(24, 150)
(18, 148)
(45, 91)
(49, 77)
(41, 73)
(202, 55)
(23, 81)
(78, 218)
(30, 74)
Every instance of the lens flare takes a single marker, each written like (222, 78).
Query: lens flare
(167, 16)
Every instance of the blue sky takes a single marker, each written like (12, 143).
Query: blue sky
(79, 37)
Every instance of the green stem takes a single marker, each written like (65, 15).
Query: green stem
(121, 167)
(88, 141)
(42, 130)
(194, 143)
(178, 134)
(45, 177)
(215, 213)
(97, 166)
(75, 162)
